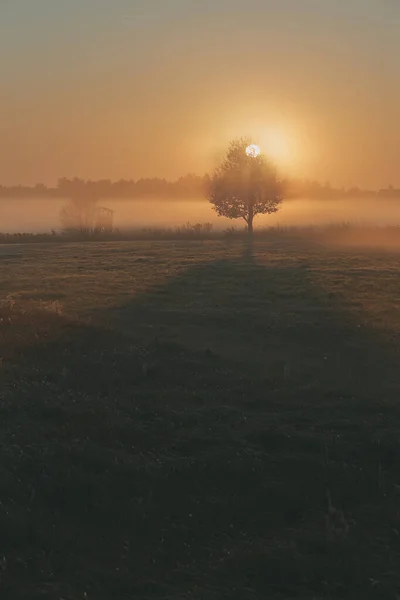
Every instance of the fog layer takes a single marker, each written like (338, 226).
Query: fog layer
(37, 216)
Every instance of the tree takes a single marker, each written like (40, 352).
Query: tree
(244, 186)
(79, 214)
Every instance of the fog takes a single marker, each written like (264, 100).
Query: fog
(37, 216)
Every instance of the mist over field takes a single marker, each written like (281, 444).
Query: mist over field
(199, 299)
(42, 215)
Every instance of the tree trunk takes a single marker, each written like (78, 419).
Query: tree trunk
(250, 225)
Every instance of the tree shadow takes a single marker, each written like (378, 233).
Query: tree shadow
(171, 451)
(259, 315)
(248, 250)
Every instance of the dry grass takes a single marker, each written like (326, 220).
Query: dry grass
(193, 420)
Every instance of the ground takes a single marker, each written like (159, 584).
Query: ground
(199, 420)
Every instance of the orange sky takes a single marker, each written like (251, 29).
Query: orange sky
(132, 88)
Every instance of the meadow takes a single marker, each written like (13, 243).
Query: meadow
(199, 419)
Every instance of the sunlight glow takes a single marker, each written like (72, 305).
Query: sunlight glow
(253, 150)
(278, 146)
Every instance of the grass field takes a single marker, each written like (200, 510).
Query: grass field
(195, 420)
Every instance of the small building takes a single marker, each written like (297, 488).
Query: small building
(104, 220)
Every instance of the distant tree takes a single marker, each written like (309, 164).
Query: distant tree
(244, 186)
(79, 214)
(71, 188)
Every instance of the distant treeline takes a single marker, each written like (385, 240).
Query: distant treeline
(186, 187)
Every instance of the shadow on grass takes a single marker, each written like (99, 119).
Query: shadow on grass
(261, 318)
(170, 454)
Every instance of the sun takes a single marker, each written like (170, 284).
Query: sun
(276, 145)
(253, 150)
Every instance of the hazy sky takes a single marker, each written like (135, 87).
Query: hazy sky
(131, 88)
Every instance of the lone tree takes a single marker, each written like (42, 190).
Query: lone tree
(245, 185)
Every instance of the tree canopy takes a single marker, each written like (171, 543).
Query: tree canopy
(244, 186)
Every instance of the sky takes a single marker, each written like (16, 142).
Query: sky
(110, 89)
